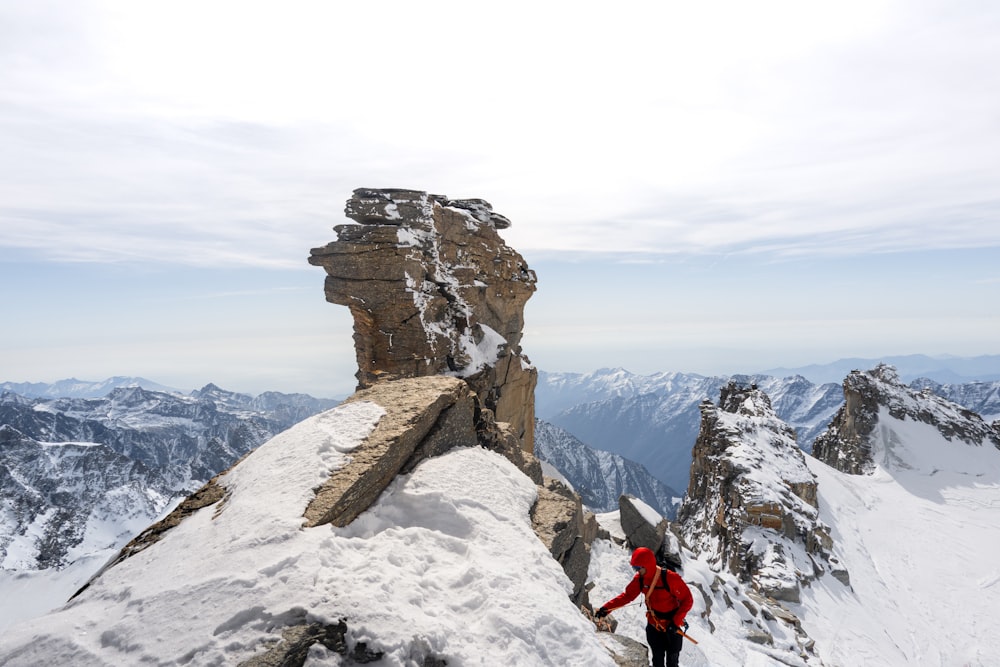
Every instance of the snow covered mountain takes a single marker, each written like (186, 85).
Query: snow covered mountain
(654, 419)
(983, 398)
(80, 477)
(601, 477)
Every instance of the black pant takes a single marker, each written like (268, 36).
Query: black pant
(665, 646)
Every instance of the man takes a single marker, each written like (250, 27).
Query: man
(668, 600)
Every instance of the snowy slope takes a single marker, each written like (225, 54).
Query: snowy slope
(920, 537)
(445, 565)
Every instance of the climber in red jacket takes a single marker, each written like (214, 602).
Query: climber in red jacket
(668, 600)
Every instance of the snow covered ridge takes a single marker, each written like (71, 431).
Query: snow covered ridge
(443, 568)
(867, 429)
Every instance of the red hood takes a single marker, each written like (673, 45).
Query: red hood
(643, 557)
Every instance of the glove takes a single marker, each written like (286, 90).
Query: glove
(601, 613)
(679, 624)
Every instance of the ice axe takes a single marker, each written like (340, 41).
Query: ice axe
(686, 636)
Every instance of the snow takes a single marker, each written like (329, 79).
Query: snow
(444, 564)
(920, 539)
(482, 354)
(32, 593)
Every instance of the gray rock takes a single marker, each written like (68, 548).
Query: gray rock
(627, 652)
(433, 289)
(558, 520)
(638, 531)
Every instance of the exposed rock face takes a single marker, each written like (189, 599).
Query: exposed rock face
(567, 531)
(429, 416)
(850, 441)
(751, 503)
(434, 290)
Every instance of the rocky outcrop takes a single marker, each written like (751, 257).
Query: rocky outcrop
(434, 290)
(567, 531)
(751, 504)
(850, 441)
(626, 652)
(425, 417)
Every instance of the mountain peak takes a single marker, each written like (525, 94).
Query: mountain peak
(886, 423)
(752, 503)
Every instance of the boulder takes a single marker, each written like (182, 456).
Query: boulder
(636, 523)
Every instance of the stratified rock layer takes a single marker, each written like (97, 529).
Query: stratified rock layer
(434, 290)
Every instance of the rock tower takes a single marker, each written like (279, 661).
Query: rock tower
(434, 290)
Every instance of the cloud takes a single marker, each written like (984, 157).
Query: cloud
(231, 134)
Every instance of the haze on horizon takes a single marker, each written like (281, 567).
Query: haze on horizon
(711, 188)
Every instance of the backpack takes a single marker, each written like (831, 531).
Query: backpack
(668, 562)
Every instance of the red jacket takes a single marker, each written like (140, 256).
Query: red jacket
(671, 602)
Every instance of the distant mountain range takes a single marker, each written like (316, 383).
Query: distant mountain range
(80, 475)
(601, 477)
(654, 419)
(947, 370)
(73, 388)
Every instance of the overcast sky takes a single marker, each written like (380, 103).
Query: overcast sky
(710, 187)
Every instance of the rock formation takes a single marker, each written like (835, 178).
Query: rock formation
(434, 290)
(751, 504)
(851, 440)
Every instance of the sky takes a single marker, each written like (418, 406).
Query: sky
(714, 187)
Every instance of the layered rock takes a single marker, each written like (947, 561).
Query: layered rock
(434, 290)
(751, 504)
(854, 442)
